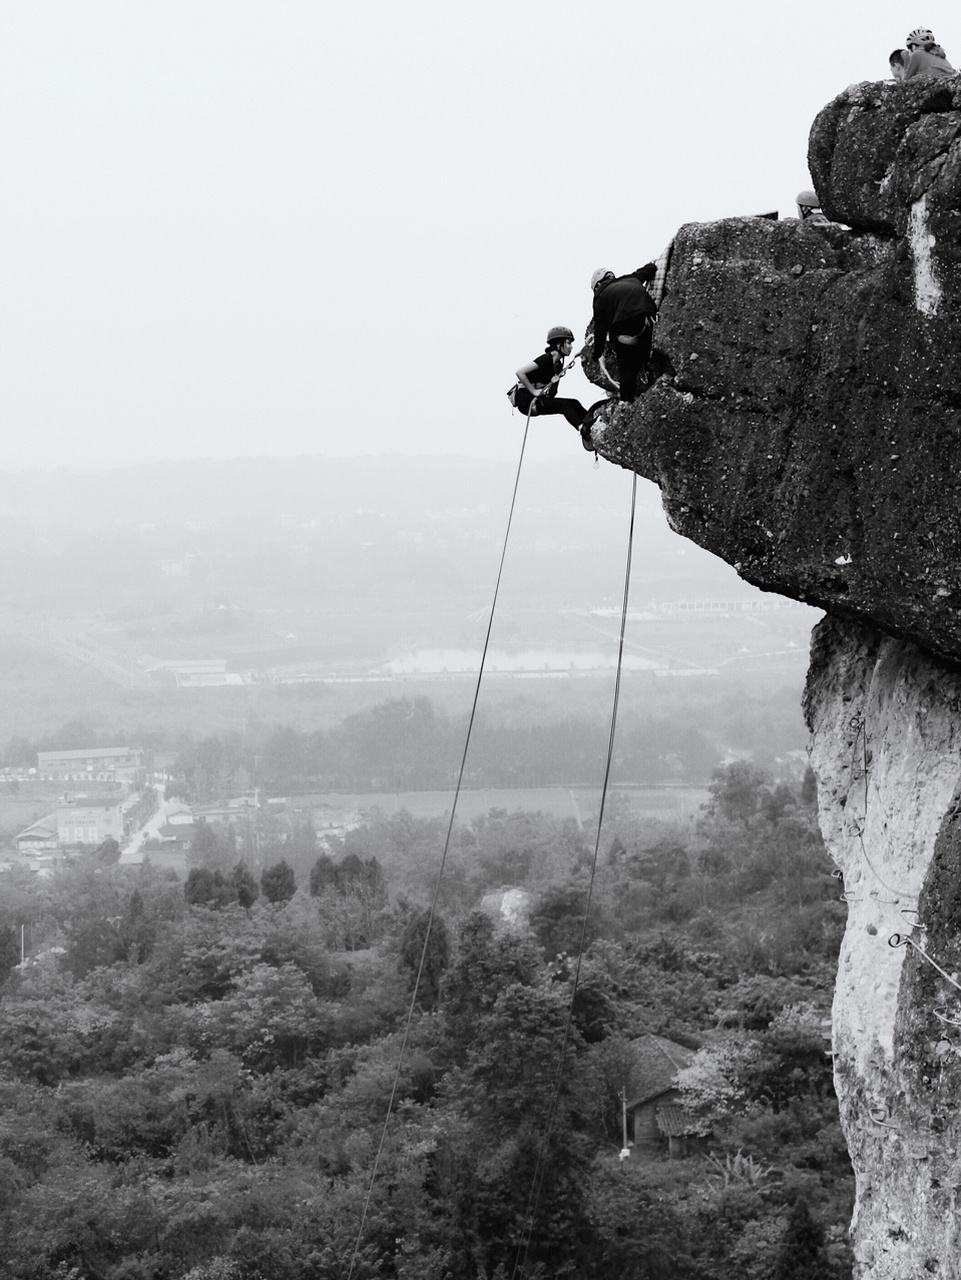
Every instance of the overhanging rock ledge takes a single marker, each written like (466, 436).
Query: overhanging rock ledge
(811, 435)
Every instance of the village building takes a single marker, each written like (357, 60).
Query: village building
(180, 816)
(657, 1124)
(106, 764)
(176, 835)
(41, 837)
(90, 822)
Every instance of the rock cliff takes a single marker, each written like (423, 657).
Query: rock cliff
(811, 436)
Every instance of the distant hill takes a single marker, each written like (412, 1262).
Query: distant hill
(312, 485)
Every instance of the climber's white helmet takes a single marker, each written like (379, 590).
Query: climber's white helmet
(600, 274)
(920, 36)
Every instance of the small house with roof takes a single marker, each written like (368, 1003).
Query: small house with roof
(176, 835)
(40, 837)
(656, 1122)
(180, 815)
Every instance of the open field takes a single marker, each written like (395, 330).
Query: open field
(580, 803)
(42, 689)
(358, 640)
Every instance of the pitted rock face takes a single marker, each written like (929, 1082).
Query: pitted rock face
(886, 738)
(879, 150)
(811, 435)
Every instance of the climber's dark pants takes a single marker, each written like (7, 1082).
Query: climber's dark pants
(572, 410)
(633, 354)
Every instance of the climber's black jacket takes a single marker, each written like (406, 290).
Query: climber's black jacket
(621, 304)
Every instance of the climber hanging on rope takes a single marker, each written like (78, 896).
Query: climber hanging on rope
(536, 390)
(625, 311)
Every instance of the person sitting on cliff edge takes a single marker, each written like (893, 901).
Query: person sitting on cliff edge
(625, 310)
(926, 57)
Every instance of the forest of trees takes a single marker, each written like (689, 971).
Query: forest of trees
(195, 1076)
(410, 744)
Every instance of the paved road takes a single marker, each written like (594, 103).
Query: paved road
(132, 852)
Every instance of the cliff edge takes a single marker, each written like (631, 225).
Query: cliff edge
(811, 436)
(812, 428)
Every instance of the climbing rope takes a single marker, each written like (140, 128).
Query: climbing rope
(540, 1169)
(443, 861)
(859, 725)
(896, 939)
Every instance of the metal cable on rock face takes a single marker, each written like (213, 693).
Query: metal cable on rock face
(902, 940)
(859, 723)
(443, 861)
(541, 1166)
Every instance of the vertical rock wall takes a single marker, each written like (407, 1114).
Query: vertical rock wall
(886, 725)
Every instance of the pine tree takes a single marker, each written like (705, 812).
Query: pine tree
(802, 1256)
(278, 883)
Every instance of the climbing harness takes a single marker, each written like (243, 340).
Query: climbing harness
(512, 392)
(540, 1169)
(633, 339)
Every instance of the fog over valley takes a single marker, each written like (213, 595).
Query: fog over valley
(267, 572)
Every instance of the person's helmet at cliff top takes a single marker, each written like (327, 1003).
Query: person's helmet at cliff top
(808, 205)
(919, 37)
(809, 208)
(602, 273)
(559, 333)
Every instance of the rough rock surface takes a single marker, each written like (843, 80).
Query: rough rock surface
(811, 436)
(886, 157)
(886, 741)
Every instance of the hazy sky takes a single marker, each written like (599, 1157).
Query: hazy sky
(249, 227)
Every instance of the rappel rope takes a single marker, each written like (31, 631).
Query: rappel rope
(443, 861)
(540, 1169)
(859, 724)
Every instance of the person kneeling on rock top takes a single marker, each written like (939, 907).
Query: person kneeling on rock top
(809, 209)
(536, 390)
(625, 310)
(897, 62)
(926, 57)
